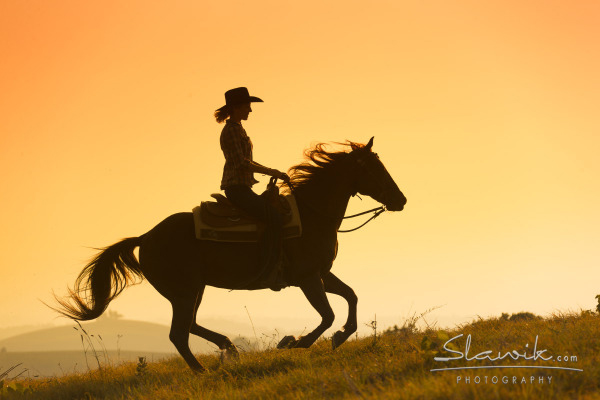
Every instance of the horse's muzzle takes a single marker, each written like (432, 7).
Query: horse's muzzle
(396, 204)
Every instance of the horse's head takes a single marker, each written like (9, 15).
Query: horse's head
(372, 179)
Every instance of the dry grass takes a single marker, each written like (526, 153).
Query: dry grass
(396, 366)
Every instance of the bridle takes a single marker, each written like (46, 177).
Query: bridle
(377, 211)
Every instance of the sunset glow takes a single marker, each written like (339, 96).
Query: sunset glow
(485, 113)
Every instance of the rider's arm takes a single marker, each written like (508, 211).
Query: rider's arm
(253, 166)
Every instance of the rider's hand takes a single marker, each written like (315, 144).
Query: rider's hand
(280, 175)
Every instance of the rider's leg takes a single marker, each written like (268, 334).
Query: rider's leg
(246, 200)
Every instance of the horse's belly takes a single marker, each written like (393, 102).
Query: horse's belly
(193, 263)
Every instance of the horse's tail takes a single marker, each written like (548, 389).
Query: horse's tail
(103, 279)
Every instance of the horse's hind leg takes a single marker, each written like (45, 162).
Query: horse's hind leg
(221, 341)
(183, 317)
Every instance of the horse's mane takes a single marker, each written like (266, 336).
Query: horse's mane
(318, 161)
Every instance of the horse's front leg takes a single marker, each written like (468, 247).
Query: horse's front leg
(313, 289)
(333, 284)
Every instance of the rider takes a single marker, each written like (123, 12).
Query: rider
(238, 178)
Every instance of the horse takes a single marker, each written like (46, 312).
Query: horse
(179, 266)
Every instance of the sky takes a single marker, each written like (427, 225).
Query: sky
(485, 114)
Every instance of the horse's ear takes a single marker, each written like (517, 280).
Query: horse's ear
(370, 144)
(354, 146)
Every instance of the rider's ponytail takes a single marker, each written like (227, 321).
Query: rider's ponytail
(222, 114)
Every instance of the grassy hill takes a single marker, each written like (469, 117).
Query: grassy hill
(563, 363)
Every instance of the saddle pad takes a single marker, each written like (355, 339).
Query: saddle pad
(245, 232)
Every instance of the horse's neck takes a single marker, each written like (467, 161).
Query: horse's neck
(328, 198)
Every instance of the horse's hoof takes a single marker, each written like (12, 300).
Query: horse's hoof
(337, 339)
(287, 342)
(231, 352)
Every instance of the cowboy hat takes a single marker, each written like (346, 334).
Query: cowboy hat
(237, 96)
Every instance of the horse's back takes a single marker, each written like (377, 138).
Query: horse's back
(177, 224)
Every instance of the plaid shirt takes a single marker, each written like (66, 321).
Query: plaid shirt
(237, 149)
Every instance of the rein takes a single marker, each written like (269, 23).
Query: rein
(377, 211)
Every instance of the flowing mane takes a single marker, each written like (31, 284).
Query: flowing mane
(318, 161)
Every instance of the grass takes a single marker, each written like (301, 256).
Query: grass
(394, 366)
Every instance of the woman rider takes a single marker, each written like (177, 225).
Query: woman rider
(238, 174)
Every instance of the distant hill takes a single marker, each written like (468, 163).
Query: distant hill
(129, 335)
(110, 333)
(60, 350)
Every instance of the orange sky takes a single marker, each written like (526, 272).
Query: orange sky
(485, 113)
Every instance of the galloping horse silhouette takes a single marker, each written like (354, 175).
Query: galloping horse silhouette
(179, 266)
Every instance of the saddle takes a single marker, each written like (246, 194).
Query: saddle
(220, 221)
